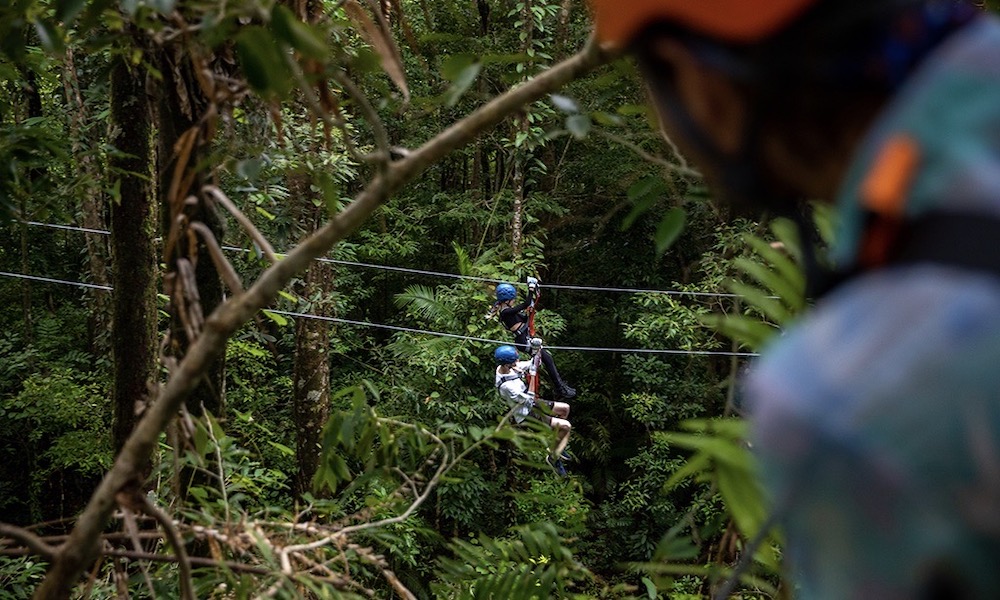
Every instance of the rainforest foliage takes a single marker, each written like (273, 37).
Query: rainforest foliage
(362, 453)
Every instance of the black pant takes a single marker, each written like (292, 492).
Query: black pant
(521, 339)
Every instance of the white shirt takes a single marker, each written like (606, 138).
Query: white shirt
(514, 390)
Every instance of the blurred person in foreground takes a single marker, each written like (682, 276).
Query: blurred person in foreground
(876, 417)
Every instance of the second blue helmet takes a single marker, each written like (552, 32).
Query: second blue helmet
(506, 291)
(504, 355)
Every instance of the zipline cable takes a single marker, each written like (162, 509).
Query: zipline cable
(421, 331)
(351, 263)
(62, 281)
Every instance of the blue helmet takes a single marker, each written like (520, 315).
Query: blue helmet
(506, 291)
(504, 355)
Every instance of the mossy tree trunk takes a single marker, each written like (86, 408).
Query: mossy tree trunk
(133, 229)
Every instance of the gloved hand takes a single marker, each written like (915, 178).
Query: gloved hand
(532, 283)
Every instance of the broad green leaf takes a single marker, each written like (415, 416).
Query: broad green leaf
(650, 588)
(452, 66)
(461, 83)
(50, 36)
(578, 125)
(297, 34)
(201, 438)
(279, 319)
(67, 10)
(282, 448)
(647, 186)
(669, 229)
(263, 62)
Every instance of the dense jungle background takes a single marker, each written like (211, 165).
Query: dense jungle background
(157, 158)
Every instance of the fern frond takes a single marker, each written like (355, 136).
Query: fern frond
(425, 303)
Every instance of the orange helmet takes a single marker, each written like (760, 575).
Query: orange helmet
(742, 21)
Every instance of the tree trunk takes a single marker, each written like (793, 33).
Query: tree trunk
(522, 127)
(91, 203)
(181, 106)
(34, 105)
(311, 376)
(311, 396)
(133, 228)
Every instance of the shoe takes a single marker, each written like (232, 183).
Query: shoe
(566, 456)
(566, 392)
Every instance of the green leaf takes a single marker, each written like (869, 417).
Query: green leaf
(791, 293)
(280, 320)
(282, 448)
(578, 125)
(263, 62)
(645, 187)
(748, 331)
(650, 587)
(67, 10)
(669, 229)
(772, 308)
(298, 35)
(201, 438)
(264, 213)
(461, 83)
(50, 36)
(777, 259)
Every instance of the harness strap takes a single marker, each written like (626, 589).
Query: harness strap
(508, 377)
(962, 240)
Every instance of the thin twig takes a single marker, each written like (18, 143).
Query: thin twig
(216, 194)
(187, 587)
(383, 155)
(682, 169)
(133, 531)
(222, 474)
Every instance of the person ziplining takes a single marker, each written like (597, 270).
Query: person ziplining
(516, 382)
(519, 320)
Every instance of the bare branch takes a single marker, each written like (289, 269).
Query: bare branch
(133, 531)
(222, 265)
(82, 546)
(397, 585)
(216, 194)
(32, 541)
(143, 503)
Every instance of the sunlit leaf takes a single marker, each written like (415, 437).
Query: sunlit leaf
(280, 320)
(564, 103)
